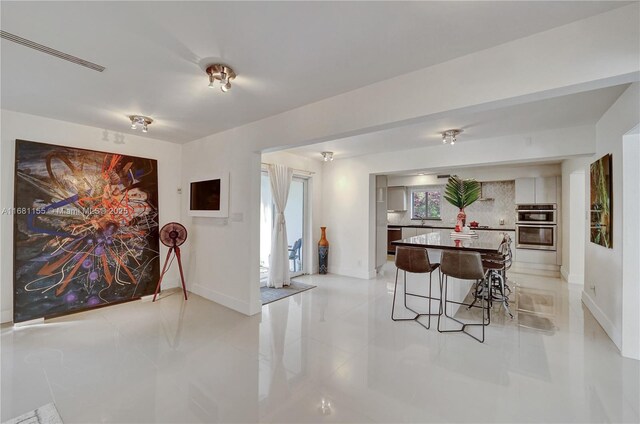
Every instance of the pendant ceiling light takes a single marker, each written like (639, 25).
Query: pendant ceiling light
(221, 75)
(449, 136)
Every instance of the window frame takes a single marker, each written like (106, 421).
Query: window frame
(425, 189)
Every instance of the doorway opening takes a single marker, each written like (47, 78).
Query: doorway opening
(296, 217)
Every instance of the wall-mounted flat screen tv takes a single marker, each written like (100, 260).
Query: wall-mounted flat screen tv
(205, 195)
(209, 197)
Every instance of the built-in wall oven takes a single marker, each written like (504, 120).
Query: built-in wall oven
(536, 227)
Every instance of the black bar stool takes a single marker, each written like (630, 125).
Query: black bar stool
(414, 260)
(464, 266)
(496, 266)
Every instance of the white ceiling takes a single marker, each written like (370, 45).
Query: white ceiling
(287, 54)
(560, 112)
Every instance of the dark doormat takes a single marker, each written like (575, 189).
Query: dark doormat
(270, 294)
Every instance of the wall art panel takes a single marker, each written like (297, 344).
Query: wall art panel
(601, 201)
(85, 229)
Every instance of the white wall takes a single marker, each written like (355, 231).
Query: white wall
(574, 216)
(222, 258)
(33, 128)
(631, 246)
(603, 267)
(349, 212)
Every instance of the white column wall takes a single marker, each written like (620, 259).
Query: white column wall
(222, 258)
(603, 267)
(574, 215)
(631, 246)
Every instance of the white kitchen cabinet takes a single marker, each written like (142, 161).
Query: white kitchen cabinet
(546, 190)
(396, 199)
(525, 191)
(536, 190)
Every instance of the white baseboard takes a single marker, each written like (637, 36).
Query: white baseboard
(227, 301)
(355, 273)
(614, 334)
(28, 323)
(6, 316)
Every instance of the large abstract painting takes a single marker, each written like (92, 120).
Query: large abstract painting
(601, 202)
(85, 229)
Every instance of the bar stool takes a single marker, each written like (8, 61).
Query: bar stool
(496, 267)
(414, 260)
(464, 266)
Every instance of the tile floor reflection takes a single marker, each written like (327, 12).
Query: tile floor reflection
(330, 354)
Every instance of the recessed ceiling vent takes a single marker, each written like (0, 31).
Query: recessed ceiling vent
(444, 176)
(52, 52)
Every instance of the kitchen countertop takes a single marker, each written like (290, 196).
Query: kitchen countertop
(485, 243)
(450, 227)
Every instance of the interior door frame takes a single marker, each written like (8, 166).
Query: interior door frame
(306, 233)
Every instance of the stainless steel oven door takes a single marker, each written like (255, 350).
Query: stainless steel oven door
(536, 217)
(537, 237)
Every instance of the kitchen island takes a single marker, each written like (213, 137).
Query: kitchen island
(435, 243)
(451, 227)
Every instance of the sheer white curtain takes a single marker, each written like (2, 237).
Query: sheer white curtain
(280, 177)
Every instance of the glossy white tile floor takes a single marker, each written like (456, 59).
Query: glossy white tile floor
(330, 354)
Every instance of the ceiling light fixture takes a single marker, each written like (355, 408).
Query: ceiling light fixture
(221, 73)
(449, 136)
(143, 121)
(327, 156)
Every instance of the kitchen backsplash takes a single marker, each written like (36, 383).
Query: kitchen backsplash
(485, 212)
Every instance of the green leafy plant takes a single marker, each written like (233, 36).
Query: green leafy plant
(461, 193)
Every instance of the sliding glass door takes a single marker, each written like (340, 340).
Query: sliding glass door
(296, 217)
